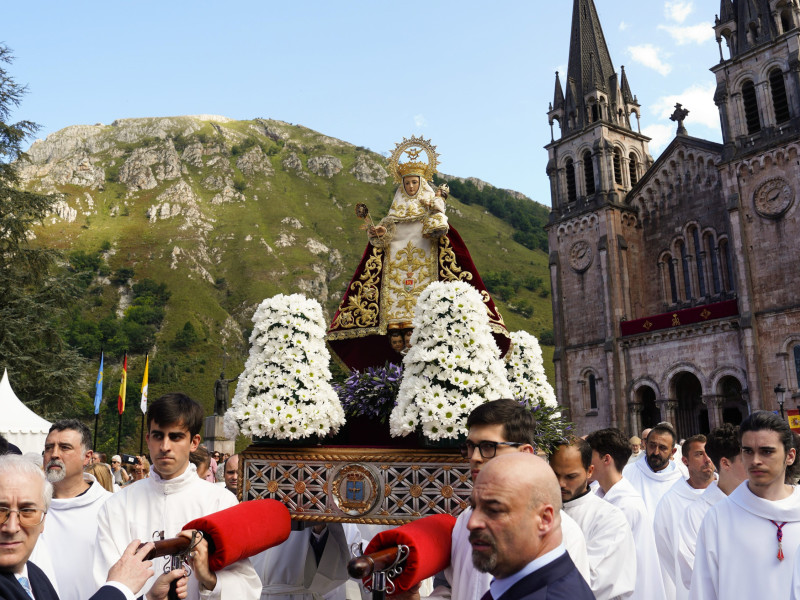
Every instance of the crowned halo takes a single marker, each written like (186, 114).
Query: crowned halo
(413, 147)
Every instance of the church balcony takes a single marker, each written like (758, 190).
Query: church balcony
(678, 318)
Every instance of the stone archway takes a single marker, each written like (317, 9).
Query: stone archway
(733, 404)
(691, 415)
(650, 415)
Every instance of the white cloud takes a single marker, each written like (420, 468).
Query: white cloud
(676, 10)
(420, 121)
(698, 99)
(650, 56)
(623, 25)
(691, 34)
(660, 135)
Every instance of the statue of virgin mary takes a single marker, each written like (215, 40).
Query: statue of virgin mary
(411, 247)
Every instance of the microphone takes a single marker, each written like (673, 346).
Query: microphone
(428, 540)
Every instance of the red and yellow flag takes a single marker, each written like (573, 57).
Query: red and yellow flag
(123, 384)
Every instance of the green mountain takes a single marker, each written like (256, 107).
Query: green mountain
(179, 227)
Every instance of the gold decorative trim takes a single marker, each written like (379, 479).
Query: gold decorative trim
(362, 309)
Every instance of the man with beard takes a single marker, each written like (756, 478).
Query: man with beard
(656, 474)
(610, 452)
(515, 532)
(725, 452)
(671, 512)
(72, 517)
(748, 541)
(609, 541)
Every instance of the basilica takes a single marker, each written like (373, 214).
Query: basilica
(675, 280)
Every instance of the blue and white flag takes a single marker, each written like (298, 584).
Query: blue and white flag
(98, 394)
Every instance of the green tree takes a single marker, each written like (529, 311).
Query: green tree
(34, 293)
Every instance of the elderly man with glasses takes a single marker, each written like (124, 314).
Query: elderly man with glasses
(25, 497)
(495, 428)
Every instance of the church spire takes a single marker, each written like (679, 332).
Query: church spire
(558, 95)
(627, 96)
(726, 11)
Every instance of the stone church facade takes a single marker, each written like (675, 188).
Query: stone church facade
(676, 281)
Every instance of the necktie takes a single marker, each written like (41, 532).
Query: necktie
(23, 581)
(487, 596)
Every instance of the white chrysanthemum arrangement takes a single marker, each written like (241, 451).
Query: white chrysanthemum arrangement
(525, 371)
(284, 391)
(453, 364)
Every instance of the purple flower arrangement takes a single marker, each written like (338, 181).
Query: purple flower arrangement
(371, 393)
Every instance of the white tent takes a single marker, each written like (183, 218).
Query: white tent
(18, 423)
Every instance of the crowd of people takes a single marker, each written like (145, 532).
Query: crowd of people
(714, 516)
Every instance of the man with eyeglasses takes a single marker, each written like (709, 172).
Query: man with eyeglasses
(495, 428)
(77, 498)
(25, 497)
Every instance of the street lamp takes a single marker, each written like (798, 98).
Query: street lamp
(779, 392)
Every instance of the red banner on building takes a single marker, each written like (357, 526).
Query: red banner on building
(687, 316)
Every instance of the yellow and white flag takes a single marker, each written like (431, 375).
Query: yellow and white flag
(144, 385)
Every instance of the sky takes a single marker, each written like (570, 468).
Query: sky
(474, 77)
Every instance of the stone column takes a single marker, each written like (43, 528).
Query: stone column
(214, 436)
(668, 408)
(714, 404)
(635, 417)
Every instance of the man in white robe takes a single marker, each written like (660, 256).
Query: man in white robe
(72, 517)
(671, 512)
(609, 541)
(655, 473)
(495, 428)
(725, 452)
(610, 453)
(172, 496)
(748, 541)
(637, 449)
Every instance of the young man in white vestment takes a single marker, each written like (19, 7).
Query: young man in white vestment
(172, 496)
(495, 428)
(610, 452)
(722, 447)
(747, 542)
(671, 512)
(609, 541)
(72, 517)
(653, 475)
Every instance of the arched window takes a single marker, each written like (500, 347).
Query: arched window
(687, 280)
(698, 256)
(796, 356)
(671, 287)
(588, 173)
(708, 243)
(727, 266)
(595, 114)
(632, 169)
(570, 167)
(779, 102)
(750, 107)
(617, 166)
(786, 20)
(592, 392)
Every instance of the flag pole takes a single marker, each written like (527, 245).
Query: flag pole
(143, 404)
(98, 398)
(121, 398)
(119, 433)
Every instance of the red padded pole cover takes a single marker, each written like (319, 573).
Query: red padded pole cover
(244, 530)
(428, 540)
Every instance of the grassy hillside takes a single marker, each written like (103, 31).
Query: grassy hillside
(226, 213)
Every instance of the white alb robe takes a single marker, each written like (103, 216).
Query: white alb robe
(609, 542)
(290, 571)
(736, 555)
(649, 585)
(690, 527)
(70, 534)
(467, 583)
(796, 579)
(670, 512)
(155, 504)
(650, 484)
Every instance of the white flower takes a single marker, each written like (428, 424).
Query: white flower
(284, 391)
(525, 370)
(453, 365)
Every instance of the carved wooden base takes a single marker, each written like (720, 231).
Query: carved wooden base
(386, 486)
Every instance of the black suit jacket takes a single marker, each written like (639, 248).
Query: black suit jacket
(10, 589)
(559, 580)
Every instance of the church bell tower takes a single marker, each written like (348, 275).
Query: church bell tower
(595, 158)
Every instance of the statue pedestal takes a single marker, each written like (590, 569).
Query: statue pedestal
(214, 436)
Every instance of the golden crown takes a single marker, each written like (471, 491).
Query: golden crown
(413, 166)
